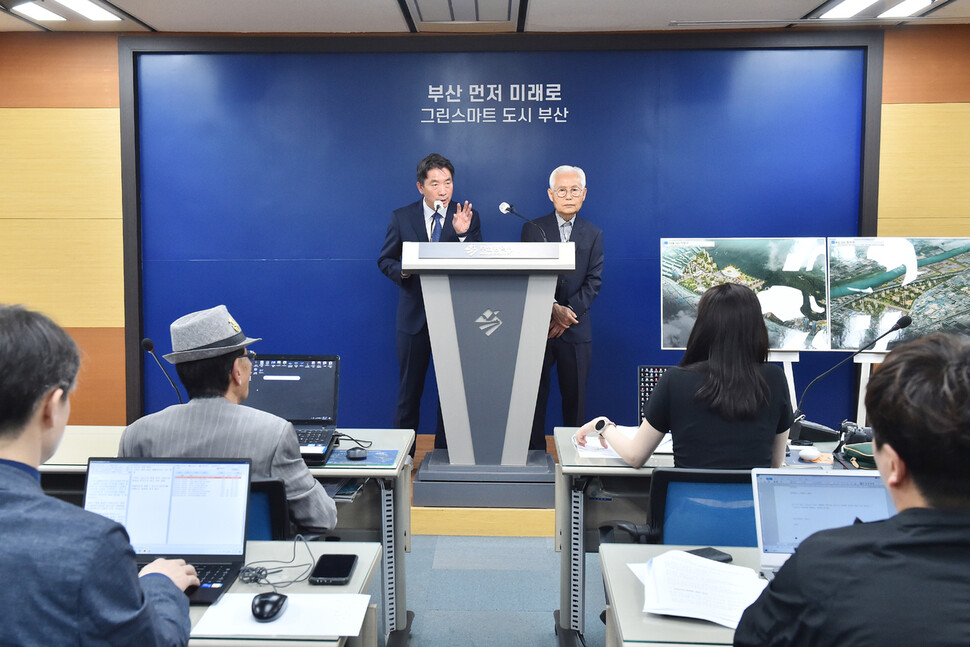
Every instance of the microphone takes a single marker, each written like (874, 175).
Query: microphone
(505, 207)
(903, 322)
(149, 346)
(437, 205)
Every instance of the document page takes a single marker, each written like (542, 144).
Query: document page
(595, 449)
(679, 584)
(307, 615)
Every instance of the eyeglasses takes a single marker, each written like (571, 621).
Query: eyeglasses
(251, 356)
(574, 192)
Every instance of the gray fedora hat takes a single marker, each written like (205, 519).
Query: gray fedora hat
(206, 333)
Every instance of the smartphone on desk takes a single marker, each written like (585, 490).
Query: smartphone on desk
(712, 553)
(333, 569)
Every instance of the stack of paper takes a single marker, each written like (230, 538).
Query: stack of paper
(680, 584)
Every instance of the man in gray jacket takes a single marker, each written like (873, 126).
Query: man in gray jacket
(209, 353)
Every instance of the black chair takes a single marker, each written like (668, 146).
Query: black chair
(694, 507)
(269, 512)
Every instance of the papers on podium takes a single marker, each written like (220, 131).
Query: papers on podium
(680, 584)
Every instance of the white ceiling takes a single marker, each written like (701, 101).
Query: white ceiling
(403, 16)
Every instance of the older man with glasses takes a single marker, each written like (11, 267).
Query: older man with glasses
(570, 342)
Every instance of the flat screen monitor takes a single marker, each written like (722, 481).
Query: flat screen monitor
(875, 281)
(296, 387)
(787, 274)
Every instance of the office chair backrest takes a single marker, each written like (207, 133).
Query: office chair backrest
(702, 507)
(269, 514)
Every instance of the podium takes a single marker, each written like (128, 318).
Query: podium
(488, 307)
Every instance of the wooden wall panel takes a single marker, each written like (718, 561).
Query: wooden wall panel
(927, 65)
(58, 70)
(924, 178)
(60, 163)
(99, 398)
(69, 269)
(925, 227)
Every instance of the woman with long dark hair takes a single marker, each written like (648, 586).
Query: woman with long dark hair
(724, 405)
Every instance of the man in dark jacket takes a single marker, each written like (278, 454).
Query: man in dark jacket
(902, 581)
(570, 343)
(69, 574)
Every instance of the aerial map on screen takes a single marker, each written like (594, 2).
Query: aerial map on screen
(874, 281)
(787, 274)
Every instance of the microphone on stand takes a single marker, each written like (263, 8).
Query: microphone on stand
(505, 207)
(149, 346)
(800, 421)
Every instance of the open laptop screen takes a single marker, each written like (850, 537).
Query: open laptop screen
(173, 506)
(794, 505)
(296, 387)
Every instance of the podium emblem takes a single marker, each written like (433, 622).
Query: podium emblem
(488, 321)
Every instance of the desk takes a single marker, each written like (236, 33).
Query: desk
(384, 505)
(590, 492)
(368, 555)
(579, 512)
(381, 512)
(628, 625)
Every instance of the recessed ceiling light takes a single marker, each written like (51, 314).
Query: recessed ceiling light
(36, 12)
(906, 8)
(88, 9)
(847, 9)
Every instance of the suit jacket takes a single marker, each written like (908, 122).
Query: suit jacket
(70, 576)
(408, 224)
(217, 428)
(576, 289)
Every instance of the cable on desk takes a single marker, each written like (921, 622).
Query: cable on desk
(255, 573)
(360, 443)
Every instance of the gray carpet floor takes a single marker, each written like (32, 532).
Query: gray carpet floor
(476, 591)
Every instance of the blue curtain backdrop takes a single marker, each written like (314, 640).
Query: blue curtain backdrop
(267, 182)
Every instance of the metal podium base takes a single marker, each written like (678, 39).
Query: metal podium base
(438, 483)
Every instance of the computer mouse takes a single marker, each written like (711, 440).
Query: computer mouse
(356, 454)
(808, 454)
(268, 606)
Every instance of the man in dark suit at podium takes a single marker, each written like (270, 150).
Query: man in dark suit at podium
(434, 218)
(570, 342)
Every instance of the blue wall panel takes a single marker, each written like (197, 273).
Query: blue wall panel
(267, 181)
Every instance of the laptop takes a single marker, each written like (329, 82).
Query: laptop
(790, 505)
(303, 390)
(188, 508)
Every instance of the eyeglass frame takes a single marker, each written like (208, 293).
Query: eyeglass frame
(574, 192)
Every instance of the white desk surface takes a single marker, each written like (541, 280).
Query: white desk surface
(81, 442)
(572, 463)
(368, 553)
(624, 594)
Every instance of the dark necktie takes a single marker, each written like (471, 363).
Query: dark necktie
(436, 228)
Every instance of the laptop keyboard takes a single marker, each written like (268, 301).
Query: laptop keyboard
(313, 436)
(212, 573)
